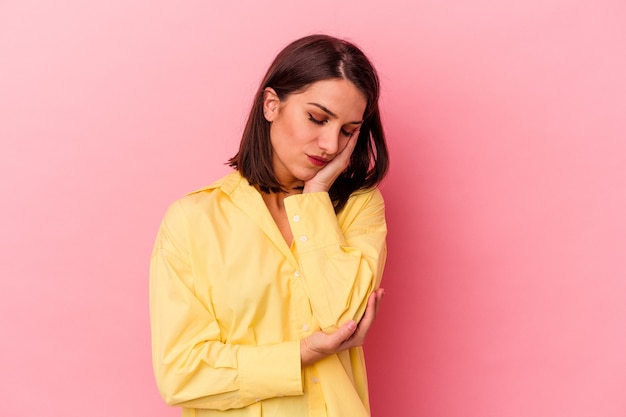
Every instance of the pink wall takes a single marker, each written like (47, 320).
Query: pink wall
(506, 281)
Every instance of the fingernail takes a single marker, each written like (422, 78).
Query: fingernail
(351, 325)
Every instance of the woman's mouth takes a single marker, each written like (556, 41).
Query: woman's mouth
(317, 160)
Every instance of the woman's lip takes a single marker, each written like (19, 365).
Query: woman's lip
(315, 160)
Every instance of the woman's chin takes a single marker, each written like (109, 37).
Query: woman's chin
(304, 175)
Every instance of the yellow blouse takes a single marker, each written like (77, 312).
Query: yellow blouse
(230, 301)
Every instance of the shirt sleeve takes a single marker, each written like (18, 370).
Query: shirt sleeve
(192, 366)
(341, 260)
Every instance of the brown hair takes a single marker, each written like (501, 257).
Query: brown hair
(300, 64)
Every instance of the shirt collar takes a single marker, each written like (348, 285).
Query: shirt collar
(227, 184)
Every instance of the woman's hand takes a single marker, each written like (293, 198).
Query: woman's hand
(319, 344)
(324, 179)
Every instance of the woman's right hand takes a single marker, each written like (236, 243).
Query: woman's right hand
(318, 345)
(324, 179)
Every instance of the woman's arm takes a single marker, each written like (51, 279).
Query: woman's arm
(319, 344)
(341, 256)
(192, 366)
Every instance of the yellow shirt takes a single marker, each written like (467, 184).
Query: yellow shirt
(230, 301)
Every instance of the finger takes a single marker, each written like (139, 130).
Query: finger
(370, 311)
(347, 150)
(380, 294)
(358, 338)
(372, 302)
(344, 333)
(350, 145)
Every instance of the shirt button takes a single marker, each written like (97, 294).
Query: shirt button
(315, 380)
(257, 400)
(297, 273)
(305, 328)
(296, 218)
(303, 238)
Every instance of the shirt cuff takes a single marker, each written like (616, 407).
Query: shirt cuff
(313, 221)
(270, 371)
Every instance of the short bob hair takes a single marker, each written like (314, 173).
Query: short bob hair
(300, 64)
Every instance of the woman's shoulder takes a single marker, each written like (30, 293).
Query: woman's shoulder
(367, 195)
(363, 200)
(227, 183)
(204, 197)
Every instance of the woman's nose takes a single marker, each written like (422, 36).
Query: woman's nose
(329, 141)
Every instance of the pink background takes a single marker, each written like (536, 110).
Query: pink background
(506, 279)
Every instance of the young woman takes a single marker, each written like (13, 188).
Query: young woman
(264, 284)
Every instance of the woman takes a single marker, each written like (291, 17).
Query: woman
(264, 284)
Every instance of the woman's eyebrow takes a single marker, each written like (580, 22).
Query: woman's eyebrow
(331, 114)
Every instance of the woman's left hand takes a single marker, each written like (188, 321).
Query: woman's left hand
(318, 345)
(324, 179)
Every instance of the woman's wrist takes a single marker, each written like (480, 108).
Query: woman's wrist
(306, 358)
(314, 188)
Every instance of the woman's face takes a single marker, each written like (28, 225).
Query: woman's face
(308, 129)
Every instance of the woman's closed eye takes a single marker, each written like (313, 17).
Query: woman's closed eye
(324, 121)
(317, 121)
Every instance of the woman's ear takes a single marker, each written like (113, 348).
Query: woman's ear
(270, 104)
